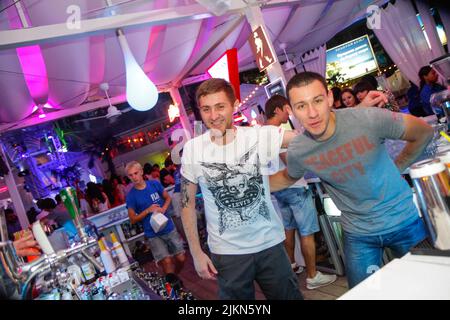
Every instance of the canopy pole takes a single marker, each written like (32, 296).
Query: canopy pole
(19, 208)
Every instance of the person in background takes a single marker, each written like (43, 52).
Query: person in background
(155, 175)
(337, 98)
(96, 198)
(371, 80)
(297, 207)
(428, 85)
(362, 88)
(415, 106)
(58, 214)
(31, 214)
(176, 195)
(118, 191)
(148, 168)
(167, 180)
(346, 150)
(108, 190)
(128, 185)
(348, 98)
(145, 199)
(12, 223)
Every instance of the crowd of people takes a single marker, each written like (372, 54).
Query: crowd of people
(418, 97)
(241, 171)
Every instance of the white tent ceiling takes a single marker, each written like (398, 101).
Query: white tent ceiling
(171, 39)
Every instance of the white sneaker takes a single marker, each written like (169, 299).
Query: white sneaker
(320, 280)
(296, 268)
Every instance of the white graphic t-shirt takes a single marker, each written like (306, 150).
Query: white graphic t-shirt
(234, 182)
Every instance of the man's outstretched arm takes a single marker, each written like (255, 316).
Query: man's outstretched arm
(203, 265)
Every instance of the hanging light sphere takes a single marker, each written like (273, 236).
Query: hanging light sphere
(141, 92)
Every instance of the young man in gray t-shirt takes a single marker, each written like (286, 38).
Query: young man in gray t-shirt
(345, 149)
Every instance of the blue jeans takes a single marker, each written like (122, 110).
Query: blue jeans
(298, 210)
(363, 254)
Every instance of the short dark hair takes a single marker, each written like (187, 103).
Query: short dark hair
(363, 86)
(168, 162)
(303, 79)
(58, 199)
(47, 204)
(8, 211)
(147, 168)
(336, 93)
(370, 79)
(215, 85)
(276, 101)
(422, 73)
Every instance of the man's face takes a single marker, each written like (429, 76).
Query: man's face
(135, 174)
(11, 217)
(216, 111)
(361, 95)
(169, 180)
(311, 106)
(432, 76)
(348, 99)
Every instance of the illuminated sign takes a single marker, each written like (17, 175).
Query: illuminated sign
(226, 67)
(352, 59)
(261, 49)
(275, 87)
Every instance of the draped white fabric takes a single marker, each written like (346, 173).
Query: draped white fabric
(75, 66)
(402, 38)
(315, 60)
(430, 28)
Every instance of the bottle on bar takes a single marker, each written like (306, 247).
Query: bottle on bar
(106, 258)
(117, 247)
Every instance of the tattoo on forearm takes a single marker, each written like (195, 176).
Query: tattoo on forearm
(184, 192)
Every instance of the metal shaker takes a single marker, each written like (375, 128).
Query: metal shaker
(432, 184)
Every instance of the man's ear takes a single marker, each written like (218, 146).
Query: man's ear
(289, 110)
(330, 98)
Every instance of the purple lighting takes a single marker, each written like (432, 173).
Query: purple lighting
(32, 62)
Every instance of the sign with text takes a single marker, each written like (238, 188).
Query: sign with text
(259, 43)
(352, 59)
(226, 67)
(275, 87)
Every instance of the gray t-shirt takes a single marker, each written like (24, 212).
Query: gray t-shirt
(357, 171)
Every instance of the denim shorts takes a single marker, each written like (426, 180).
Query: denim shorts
(167, 245)
(298, 210)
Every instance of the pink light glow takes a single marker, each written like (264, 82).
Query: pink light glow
(31, 61)
(42, 116)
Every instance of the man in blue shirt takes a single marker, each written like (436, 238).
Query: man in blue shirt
(345, 149)
(428, 85)
(143, 200)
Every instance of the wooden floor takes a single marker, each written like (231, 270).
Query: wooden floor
(207, 289)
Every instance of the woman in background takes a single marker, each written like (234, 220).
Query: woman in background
(348, 98)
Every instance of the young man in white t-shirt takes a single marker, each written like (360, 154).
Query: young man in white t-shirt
(245, 234)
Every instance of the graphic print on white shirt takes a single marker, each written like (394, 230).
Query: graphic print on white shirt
(238, 191)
